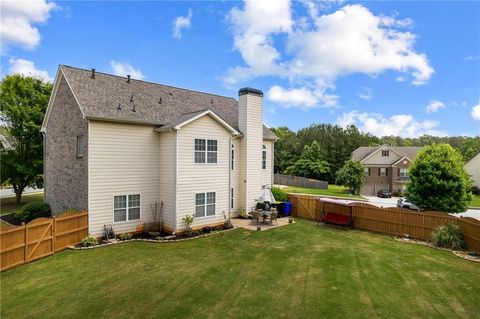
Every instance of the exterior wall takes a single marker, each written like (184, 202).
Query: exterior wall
(378, 159)
(267, 173)
(124, 159)
(66, 175)
(236, 180)
(473, 169)
(167, 177)
(250, 122)
(399, 183)
(392, 181)
(196, 178)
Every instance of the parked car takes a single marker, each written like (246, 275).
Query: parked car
(404, 203)
(384, 194)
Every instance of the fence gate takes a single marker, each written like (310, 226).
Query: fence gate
(39, 239)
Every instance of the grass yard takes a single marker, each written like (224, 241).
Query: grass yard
(475, 201)
(332, 191)
(296, 271)
(8, 204)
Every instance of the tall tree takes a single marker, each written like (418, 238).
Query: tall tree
(351, 175)
(438, 180)
(23, 101)
(311, 163)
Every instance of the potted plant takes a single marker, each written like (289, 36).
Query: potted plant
(259, 228)
(228, 222)
(280, 199)
(188, 221)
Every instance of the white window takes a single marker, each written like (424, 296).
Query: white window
(231, 198)
(382, 171)
(233, 157)
(205, 151)
(385, 153)
(403, 172)
(366, 171)
(80, 146)
(205, 204)
(126, 207)
(264, 157)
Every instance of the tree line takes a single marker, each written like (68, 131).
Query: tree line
(320, 150)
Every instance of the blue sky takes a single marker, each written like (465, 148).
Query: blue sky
(402, 67)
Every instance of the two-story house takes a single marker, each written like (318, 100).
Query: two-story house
(115, 145)
(386, 167)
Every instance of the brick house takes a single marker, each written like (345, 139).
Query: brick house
(386, 167)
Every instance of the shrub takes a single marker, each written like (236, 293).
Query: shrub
(218, 227)
(475, 190)
(89, 241)
(279, 194)
(33, 210)
(351, 175)
(448, 236)
(125, 236)
(206, 229)
(242, 213)
(188, 220)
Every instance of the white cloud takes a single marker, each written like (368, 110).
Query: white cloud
(366, 94)
(17, 22)
(320, 48)
(398, 125)
(181, 23)
(123, 69)
(301, 97)
(476, 112)
(26, 67)
(434, 106)
(470, 58)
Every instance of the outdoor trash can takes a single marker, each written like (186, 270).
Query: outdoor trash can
(288, 208)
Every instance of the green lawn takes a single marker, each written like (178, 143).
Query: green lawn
(475, 201)
(332, 191)
(8, 204)
(296, 271)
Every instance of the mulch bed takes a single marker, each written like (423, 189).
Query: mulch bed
(10, 219)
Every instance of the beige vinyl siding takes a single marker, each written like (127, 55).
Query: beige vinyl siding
(198, 178)
(251, 125)
(167, 177)
(236, 177)
(378, 159)
(267, 173)
(124, 159)
(473, 169)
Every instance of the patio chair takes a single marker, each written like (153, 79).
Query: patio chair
(273, 217)
(255, 216)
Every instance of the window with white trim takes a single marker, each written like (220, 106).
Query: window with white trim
(264, 157)
(382, 171)
(385, 153)
(403, 172)
(80, 146)
(205, 151)
(366, 171)
(205, 204)
(126, 207)
(233, 157)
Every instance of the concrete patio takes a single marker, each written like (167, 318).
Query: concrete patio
(247, 223)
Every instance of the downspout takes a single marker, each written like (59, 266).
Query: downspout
(175, 182)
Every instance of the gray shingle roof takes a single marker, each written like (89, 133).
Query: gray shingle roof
(363, 151)
(112, 98)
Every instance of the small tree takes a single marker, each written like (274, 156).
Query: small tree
(311, 163)
(438, 180)
(23, 101)
(351, 175)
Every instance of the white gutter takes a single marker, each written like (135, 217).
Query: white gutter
(175, 183)
(230, 172)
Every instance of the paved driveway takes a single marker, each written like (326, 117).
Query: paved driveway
(10, 192)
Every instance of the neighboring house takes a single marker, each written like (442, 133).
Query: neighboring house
(386, 168)
(473, 169)
(115, 145)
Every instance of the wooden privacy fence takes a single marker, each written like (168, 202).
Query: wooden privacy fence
(392, 221)
(41, 237)
(290, 180)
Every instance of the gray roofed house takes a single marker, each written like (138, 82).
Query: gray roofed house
(114, 145)
(386, 167)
